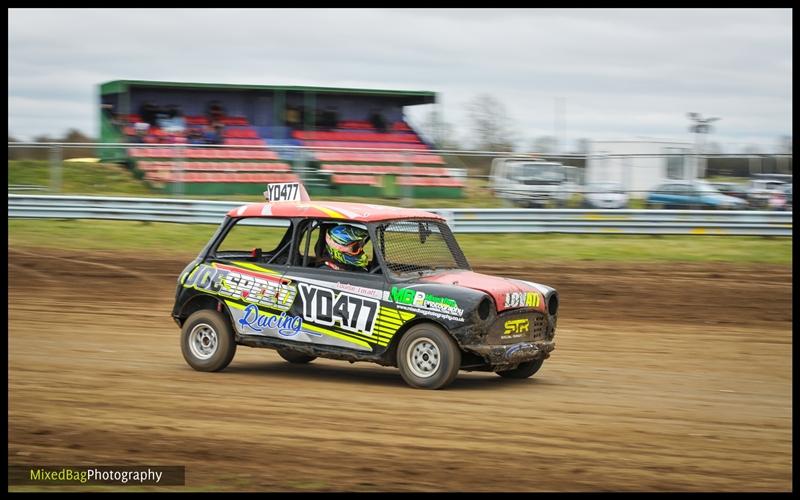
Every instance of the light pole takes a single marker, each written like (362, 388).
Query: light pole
(699, 127)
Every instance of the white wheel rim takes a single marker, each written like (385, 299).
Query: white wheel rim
(423, 357)
(203, 341)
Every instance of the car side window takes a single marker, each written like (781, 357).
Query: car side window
(264, 240)
(312, 248)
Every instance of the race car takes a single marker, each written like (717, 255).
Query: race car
(357, 282)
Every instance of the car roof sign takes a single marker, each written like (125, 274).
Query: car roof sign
(286, 191)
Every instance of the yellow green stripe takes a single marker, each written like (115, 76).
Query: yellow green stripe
(329, 212)
(253, 267)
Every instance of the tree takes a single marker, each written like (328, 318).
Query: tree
(785, 145)
(75, 135)
(545, 144)
(490, 124)
(751, 149)
(712, 148)
(440, 131)
(582, 146)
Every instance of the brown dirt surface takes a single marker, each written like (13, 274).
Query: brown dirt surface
(665, 377)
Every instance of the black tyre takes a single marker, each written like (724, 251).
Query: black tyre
(207, 341)
(524, 370)
(428, 358)
(295, 357)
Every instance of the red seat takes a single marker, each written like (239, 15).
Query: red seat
(430, 181)
(355, 124)
(354, 136)
(366, 180)
(365, 145)
(196, 120)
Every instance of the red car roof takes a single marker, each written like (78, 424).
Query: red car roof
(361, 212)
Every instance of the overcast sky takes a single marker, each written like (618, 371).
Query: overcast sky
(621, 73)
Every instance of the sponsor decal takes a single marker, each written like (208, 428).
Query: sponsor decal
(250, 286)
(328, 307)
(359, 290)
(516, 326)
(285, 325)
(425, 301)
(523, 299)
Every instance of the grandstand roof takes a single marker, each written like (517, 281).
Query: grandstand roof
(121, 86)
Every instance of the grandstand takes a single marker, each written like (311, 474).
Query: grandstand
(356, 142)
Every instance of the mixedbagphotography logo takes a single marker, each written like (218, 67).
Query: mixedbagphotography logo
(121, 475)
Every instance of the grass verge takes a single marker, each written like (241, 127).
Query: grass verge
(165, 238)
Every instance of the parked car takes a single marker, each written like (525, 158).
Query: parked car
(605, 195)
(357, 282)
(766, 194)
(787, 189)
(692, 195)
(731, 189)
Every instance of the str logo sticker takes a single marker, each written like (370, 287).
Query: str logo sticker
(516, 326)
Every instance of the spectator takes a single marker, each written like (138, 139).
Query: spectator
(141, 129)
(148, 113)
(292, 118)
(173, 123)
(329, 119)
(377, 121)
(111, 115)
(215, 112)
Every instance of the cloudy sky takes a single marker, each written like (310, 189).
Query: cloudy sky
(619, 73)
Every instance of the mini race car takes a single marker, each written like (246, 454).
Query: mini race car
(262, 281)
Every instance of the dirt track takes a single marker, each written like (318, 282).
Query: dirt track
(669, 377)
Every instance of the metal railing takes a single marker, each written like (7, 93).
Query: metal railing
(641, 222)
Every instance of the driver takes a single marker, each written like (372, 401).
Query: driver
(344, 248)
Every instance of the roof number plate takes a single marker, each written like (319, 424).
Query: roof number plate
(287, 191)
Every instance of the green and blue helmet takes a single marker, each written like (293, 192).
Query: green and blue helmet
(345, 244)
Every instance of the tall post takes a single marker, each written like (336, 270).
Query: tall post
(406, 188)
(56, 166)
(310, 114)
(179, 170)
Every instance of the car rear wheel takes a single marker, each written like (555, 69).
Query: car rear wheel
(207, 341)
(524, 370)
(428, 358)
(295, 357)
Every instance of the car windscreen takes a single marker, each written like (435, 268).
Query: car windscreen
(417, 247)
(604, 187)
(706, 188)
(540, 172)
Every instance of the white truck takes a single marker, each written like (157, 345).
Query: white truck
(532, 183)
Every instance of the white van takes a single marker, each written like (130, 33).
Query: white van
(533, 183)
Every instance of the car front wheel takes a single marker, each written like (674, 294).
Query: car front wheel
(428, 358)
(207, 341)
(524, 370)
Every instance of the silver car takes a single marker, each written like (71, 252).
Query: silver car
(605, 195)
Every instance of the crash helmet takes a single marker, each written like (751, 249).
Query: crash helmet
(345, 245)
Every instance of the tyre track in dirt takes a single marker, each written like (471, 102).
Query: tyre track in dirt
(647, 397)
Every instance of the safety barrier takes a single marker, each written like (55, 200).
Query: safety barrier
(461, 220)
